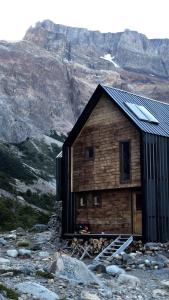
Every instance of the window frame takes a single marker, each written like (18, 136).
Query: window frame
(100, 200)
(121, 162)
(84, 199)
(87, 151)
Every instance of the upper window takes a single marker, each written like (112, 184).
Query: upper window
(125, 168)
(141, 113)
(89, 153)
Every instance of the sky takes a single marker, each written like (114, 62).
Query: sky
(150, 17)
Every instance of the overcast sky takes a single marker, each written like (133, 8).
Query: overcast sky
(150, 17)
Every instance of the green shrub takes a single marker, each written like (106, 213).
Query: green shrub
(13, 215)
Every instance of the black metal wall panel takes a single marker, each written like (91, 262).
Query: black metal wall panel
(155, 180)
(58, 178)
(67, 196)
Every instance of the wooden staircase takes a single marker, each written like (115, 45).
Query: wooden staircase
(115, 247)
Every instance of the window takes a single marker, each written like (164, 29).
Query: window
(82, 202)
(89, 153)
(125, 172)
(97, 201)
(141, 112)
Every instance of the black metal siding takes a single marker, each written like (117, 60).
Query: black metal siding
(155, 180)
(58, 178)
(67, 196)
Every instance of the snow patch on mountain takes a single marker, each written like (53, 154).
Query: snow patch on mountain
(110, 58)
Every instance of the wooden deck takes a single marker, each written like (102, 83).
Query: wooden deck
(87, 236)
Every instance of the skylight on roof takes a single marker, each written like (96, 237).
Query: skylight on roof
(141, 113)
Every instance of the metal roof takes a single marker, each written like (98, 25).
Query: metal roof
(59, 155)
(159, 110)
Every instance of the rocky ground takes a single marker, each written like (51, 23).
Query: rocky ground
(35, 266)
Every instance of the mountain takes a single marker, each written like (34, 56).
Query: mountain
(47, 78)
(45, 81)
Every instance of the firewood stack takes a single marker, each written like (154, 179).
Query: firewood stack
(93, 246)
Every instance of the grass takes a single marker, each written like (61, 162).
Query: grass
(10, 293)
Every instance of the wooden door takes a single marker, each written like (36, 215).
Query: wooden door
(137, 212)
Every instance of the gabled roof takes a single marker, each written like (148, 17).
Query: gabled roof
(158, 109)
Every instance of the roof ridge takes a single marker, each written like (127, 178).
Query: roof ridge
(113, 88)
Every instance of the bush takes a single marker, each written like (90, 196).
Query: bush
(13, 215)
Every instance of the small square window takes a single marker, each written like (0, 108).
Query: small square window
(97, 201)
(89, 153)
(82, 202)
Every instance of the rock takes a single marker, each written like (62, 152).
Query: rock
(4, 261)
(147, 263)
(12, 253)
(28, 269)
(43, 254)
(165, 283)
(152, 246)
(85, 295)
(74, 270)
(141, 266)
(36, 290)
(24, 252)
(11, 236)
(40, 227)
(158, 293)
(114, 270)
(99, 268)
(20, 231)
(130, 280)
(3, 242)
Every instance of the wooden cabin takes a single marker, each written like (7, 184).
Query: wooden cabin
(115, 167)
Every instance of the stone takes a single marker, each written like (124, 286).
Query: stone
(40, 227)
(11, 236)
(114, 270)
(43, 254)
(4, 261)
(99, 268)
(158, 293)
(28, 269)
(130, 280)
(12, 253)
(165, 283)
(152, 246)
(24, 252)
(3, 242)
(85, 295)
(36, 290)
(147, 263)
(74, 270)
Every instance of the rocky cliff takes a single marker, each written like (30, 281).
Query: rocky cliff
(46, 79)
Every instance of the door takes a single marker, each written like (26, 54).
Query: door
(137, 212)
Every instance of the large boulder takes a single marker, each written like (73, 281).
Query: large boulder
(36, 290)
(73, 269)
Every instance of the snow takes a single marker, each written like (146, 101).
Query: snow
(110, 58)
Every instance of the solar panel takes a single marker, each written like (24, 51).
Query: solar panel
(150, 117)
(141, 112)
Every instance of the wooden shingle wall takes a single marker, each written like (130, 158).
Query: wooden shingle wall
(114, 215)
(105, 128)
